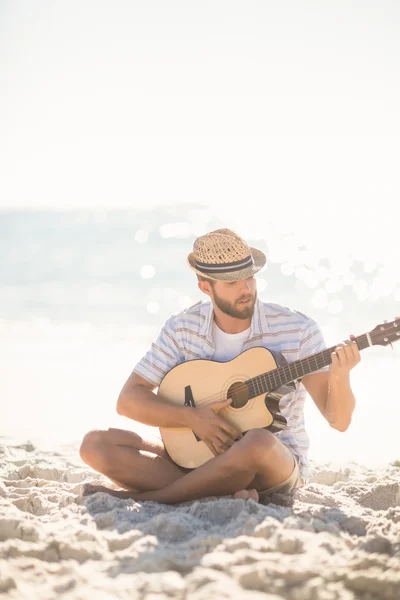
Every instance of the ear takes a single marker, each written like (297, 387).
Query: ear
(204, 287)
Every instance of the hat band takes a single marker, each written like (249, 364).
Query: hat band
(225, 267)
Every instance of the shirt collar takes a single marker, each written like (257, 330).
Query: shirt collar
(259, 324)
(207, 327)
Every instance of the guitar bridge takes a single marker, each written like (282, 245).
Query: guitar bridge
(189, 401)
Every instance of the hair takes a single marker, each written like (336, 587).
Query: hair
(201, 278)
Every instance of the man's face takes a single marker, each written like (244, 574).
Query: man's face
(237, 298)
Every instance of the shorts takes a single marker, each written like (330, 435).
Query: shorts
(293, 482)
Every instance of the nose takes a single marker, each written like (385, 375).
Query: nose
(247, 284)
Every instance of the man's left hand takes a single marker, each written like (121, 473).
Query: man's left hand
(345, 358)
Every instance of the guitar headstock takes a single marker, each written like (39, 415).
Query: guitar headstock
(386, 333)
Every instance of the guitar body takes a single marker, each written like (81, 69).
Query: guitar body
(201, 382)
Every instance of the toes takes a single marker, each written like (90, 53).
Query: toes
(253, 494)
(241, 494)
(89, 488)
(247, 495)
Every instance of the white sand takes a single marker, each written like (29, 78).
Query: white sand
(337, 538)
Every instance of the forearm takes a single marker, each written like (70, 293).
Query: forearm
(144, 406)
(340, 403)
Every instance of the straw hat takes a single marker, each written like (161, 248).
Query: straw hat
(224, 256)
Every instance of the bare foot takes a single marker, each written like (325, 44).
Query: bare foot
(247, 494)
(89, 488)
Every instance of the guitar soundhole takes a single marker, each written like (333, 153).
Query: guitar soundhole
(239, 394)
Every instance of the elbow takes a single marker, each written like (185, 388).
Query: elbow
(121, 405)
(342, 427)
(126, 403)
(340, 420)
(129, 401)
(120, 410)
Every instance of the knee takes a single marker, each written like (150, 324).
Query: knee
(91, 444)
(256, 444)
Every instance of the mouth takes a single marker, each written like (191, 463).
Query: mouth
(244, 301)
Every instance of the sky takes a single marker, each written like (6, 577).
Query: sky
(234, 104)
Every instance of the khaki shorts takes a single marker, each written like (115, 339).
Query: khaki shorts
(289, 485)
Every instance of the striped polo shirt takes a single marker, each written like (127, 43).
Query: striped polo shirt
(188, 335)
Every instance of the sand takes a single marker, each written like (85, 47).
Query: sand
(336, 538)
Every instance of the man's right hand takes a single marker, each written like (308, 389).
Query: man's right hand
(213, 430)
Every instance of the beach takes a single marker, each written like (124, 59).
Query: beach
(73, 324)
(338, 537)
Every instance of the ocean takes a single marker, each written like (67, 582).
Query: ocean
(84, 293)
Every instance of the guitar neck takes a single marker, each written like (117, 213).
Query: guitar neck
(267, 382)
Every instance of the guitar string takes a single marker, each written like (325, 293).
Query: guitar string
(250, 383)
(245, 385)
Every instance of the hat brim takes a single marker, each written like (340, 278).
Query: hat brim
(259, 262)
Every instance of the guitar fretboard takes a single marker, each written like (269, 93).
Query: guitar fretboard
(267, 382)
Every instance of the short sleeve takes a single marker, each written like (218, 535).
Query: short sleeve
(312, 342)
(163, 355)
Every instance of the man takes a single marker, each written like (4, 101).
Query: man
(258, 463)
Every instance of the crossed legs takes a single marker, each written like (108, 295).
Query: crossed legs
(142, 466)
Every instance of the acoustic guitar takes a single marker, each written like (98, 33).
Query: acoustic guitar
(256, 380)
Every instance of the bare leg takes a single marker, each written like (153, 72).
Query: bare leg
(259, 460)
(129, 460)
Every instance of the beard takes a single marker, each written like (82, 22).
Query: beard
(235, 309)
